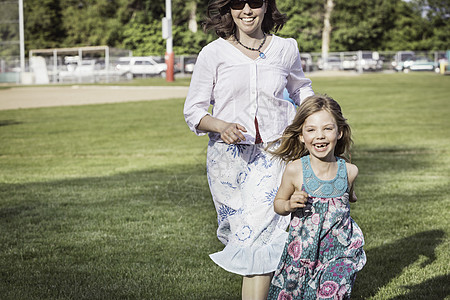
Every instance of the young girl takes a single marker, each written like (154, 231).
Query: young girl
(324, 250)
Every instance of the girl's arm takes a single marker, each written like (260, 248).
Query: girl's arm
(289, 197)
(352, 172)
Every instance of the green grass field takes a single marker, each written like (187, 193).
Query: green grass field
(112, 202)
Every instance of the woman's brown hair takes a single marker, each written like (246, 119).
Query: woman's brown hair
(218, 18)
(291, 148)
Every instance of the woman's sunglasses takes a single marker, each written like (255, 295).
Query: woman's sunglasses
(240, 4)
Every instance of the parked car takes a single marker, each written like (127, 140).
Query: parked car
(332, 63)
(134, 66)
(370, 61)
(402, 59)
(421, 63)
(349, 62)
(189, 65)
(307, 62)
(364, 60)
(83, 71)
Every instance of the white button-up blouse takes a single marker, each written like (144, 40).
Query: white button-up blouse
(240, 89)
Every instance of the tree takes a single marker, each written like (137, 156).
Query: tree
(9, 29)
(436, 15)
(144, 39)
(136, 24)
(143, 33)
(92, 23)
(304, 23)
(406, 30)
(42, 24)
(326, 32)
(362, 25)
(192, 23)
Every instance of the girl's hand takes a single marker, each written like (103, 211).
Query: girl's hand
(232, 133)
(297, 200)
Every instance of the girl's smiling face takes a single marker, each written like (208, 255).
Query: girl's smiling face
(320, 135)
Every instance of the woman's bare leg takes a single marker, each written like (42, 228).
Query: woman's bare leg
(256, 287)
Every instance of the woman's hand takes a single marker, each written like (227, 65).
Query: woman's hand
(232, 133)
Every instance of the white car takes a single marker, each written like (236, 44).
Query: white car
(134, 66)
(422, 63)
(83, 71)
(402, 60)
(331, 63)
(370, 61)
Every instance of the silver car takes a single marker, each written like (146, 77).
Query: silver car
(134, 66)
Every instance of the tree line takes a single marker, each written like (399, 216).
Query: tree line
(383, 25)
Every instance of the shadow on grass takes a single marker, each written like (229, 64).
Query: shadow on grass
(379, 160)
(436, 286)
(9, 122)
(386, 262)
(138, 235)
(378, 167)
(147, 235)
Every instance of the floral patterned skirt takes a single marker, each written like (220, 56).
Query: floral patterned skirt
(243, 180)
(323, 253)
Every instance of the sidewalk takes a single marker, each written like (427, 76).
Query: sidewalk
(32, 97)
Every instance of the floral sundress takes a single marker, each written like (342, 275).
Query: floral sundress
(324, 250)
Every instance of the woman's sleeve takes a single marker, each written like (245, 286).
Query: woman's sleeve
(200, 92)
(298, 86)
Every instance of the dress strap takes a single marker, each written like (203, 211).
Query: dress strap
(324, 188)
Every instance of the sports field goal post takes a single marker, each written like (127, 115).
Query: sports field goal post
(58, 58)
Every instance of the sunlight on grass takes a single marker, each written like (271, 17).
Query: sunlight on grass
(112, 202)
(148, 81)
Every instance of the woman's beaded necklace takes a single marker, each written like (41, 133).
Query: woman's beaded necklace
(261, 54)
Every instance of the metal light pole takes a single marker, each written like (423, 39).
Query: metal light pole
(167, 34)
(22, 39)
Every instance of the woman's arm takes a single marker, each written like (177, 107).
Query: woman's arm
(230, 133)
(298, 86)
(198, 100)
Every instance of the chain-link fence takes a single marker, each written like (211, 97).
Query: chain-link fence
(104, 64)
(73, 65)
(375, 61)
(9, 42)
(87, 65)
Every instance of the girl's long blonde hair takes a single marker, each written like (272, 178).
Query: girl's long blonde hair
(291, 148)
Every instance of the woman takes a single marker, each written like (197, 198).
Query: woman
(242, 75)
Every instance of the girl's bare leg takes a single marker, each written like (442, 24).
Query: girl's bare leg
(256, 287)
